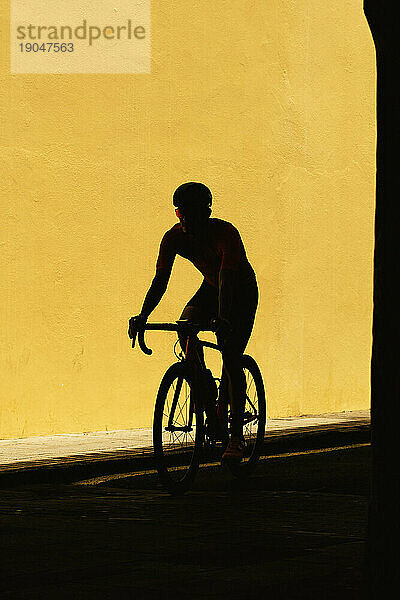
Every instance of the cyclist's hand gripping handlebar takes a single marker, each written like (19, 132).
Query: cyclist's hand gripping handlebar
(136, 328)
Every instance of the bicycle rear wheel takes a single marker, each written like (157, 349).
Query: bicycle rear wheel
(177, 430)
(254, 419)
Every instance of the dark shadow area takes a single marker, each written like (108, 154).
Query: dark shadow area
(382, 561)
(293, 531)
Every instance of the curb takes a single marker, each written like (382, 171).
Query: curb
(75, 468)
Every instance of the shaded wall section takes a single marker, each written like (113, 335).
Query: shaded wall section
(273, 106)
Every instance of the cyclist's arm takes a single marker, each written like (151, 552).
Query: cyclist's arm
(156, 292)
(165, 260)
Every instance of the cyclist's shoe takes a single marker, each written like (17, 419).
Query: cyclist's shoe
(234, 450)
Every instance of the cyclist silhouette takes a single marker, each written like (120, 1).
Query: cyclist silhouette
(228, 294)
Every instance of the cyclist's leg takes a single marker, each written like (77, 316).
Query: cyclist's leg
(201, 308)
(194, 315)
(236, 386)
(233, 347)
(223, 401)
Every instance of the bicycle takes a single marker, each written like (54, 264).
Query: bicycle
(180, 432)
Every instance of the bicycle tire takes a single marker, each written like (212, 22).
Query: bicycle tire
(176, 451)
(255, 415)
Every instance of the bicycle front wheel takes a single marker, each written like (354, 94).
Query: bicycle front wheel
(254, 419)
(177, 430)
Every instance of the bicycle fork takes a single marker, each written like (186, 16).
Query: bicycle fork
(191, 354)
(185, 428)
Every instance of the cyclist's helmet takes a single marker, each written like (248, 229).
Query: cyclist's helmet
(193, 197)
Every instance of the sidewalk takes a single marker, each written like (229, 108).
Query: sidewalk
(109, 450)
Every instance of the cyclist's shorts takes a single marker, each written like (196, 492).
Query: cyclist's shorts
(244, 306)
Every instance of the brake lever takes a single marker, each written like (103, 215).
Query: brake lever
(142, 343)
(134, 339)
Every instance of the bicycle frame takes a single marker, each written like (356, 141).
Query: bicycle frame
(192, 357)
(180, 432)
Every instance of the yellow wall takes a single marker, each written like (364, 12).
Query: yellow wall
(271, 104)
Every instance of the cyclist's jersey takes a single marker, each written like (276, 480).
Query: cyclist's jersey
(220, 248)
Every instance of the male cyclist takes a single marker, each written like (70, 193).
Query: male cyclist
(228, 294)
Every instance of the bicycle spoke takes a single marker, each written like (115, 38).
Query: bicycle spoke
(251, 416)
(179, 417)
(176, 430)
(180, 411)
(251, 383)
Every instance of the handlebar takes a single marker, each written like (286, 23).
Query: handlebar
(153, 327)
(178, 326)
